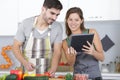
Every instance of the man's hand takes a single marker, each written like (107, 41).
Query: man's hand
(29, 66)
(52, 73)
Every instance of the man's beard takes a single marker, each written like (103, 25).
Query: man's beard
(51, 21)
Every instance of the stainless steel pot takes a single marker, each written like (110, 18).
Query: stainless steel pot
(42, 64)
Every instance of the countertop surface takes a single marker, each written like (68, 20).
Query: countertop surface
(104, 75)
(111, 76)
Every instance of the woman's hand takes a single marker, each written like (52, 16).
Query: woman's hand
(71, 51)
(71, 55)
(88, 49)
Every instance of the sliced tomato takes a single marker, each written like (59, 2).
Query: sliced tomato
(47, 74)
(38, 74)
(61, 64)
(61, 76)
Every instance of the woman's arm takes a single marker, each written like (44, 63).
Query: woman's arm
(70, 53)
(96, 49)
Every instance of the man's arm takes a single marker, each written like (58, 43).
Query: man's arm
(56, 57)
(18, 54)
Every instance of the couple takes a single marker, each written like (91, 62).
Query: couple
(45, 28)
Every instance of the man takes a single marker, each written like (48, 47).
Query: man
(45, 28)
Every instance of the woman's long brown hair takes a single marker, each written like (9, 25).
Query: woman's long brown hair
(70, 11)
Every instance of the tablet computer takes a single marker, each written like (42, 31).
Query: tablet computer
(78, 40)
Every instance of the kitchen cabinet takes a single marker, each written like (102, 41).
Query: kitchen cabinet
(8, 17)
(95, 10)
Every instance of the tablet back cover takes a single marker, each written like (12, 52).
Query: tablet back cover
(77, 41)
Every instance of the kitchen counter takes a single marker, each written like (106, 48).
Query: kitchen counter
(109, 76)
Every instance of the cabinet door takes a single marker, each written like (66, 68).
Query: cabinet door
(98, 9)
(8, 17)
(114, 10)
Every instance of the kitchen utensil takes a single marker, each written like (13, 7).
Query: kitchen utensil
(41, 65)
(37, 66)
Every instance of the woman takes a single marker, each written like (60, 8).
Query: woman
(85, 62)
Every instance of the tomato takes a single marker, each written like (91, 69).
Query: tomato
(61, 64)
(47, 74)
(3, 53)
(9, 47)
(61, 76)
(4, 48)
(38, 74)
(18, 73)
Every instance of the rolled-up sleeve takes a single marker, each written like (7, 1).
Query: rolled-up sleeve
(20, 36)
(59, 35)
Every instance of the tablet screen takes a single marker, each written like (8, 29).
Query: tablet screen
(78, 40)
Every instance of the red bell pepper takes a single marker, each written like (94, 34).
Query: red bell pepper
(18, 73)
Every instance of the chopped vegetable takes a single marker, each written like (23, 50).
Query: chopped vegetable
(68, 76)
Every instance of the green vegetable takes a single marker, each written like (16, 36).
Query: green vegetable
(68, 76)
(3, 77)
(36, 78)
(11, 77)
